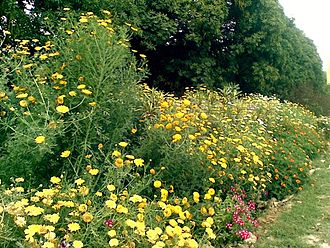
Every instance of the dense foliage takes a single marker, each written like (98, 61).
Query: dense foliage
(87, 70)
(90, 157)
(188, 43)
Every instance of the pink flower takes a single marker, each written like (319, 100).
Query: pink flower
(109, 223)
(229, 225)
(244, 234)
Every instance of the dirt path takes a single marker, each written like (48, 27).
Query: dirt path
(304, 220)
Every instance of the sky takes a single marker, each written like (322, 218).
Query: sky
(312, 17)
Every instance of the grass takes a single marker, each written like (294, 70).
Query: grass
(305, 220)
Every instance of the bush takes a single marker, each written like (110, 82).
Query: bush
(256, 142)
(72, 93)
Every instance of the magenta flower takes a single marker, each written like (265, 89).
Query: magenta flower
(109, 223)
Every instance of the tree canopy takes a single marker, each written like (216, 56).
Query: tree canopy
(188, 43)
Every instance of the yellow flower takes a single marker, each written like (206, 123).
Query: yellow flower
(65, 154)
(62, 109)
(113, 242)
(176, 137)
(77, 244)
(186, 102)
(60, 99)
(136, 198)
(82, 208)
(203, 116)
(73, 227)
(223, 165)
(88, 168)
(72, 93)
(87, 217)
(173, 222)
(157, 184)
(84, 190)
(130, 157)
(50, 236)
(54, 54)
(116, 153)
(179, 115)
(43, 56)
(33, 210)
(79, 181)
(1, 209)
(130, 223)
(191, 243)
(32, 99)
(240, 148)
(23, 103)
(212, 180)
(55, 180)
(164, 194)
(207, 197)
(121, 209)
(112, 233)
(135, 30)
(48, 244)
(53, 218)
(134, 130)
(106, 12)
(196, 197)
(87, 92)
(20, 221)
(40, 139)
(19, 180)
(111, 187)
(113, 197)
(83, 19)
(211, 191)
(119, 163)
(22, 95)
(123, 144)
(69, 32)
(110, 204)
(139, 162)
(211, 211)
(98, 193)
(94, 172)
(93, 104)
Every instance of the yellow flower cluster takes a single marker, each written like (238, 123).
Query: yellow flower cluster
(217, 136)
(64, 214)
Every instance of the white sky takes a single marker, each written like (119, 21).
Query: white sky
(313, 17)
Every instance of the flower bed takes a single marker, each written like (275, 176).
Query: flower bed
(90, 157)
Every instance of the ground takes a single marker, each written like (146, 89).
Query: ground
(303, 220)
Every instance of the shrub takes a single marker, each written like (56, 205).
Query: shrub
(75, 92)
(256, 142)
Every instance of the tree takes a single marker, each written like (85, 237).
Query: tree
(272, 55)
(15, 19)
(212, 42)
